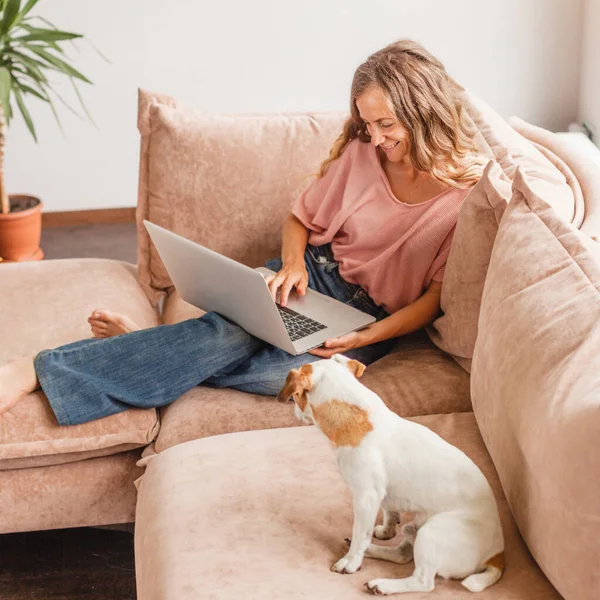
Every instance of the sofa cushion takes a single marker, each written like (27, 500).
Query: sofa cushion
(583, 167)
(536, 386)
(572, 182)
(415, 378)
(46, 304)
(456, 330)
(203, 412)
(86, 493)
(224, 181)
(264, 514)
(513, 151)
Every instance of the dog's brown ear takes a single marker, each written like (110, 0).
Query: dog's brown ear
(356, 368)
(297, 383)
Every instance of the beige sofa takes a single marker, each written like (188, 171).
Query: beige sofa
(491, 375)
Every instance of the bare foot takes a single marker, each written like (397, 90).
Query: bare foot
(17, 380)
(105, 323)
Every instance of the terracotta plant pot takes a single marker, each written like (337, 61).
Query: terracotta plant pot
(21, 229)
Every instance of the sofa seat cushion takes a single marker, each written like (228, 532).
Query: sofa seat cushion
(264, 514)
(415, 378)
(203, 412)
(46, 304)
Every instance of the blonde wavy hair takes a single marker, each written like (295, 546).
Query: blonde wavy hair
(426, 101)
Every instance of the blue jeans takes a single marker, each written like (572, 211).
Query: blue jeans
(94, 378)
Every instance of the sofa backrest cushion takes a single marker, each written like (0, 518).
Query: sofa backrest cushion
(456, 330)
(535, 385)
(226, 182)
(584, 169)
(513, 151)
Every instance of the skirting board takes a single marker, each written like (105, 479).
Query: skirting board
(74, 218)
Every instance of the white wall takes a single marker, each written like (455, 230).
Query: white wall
(589, 105)
(522, 56)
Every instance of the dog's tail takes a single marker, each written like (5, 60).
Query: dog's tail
(494, 567)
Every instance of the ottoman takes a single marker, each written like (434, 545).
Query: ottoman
(264, 514)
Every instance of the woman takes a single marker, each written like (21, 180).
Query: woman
(373, 230)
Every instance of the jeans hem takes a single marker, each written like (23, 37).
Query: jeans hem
(59, 412)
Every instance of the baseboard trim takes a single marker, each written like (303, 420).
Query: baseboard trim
(73, 218)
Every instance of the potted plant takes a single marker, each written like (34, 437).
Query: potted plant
(31, 49)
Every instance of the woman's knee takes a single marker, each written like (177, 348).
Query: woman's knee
(222, 325)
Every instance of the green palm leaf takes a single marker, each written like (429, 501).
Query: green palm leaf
(96, 50)
(85, 110)
(58, 64)
(30, 4)
(67, 105)
(36, 34)
(31, 65)
(11, 12)
(22, 16)
(30, 48)
(24, 112)
(53, 109)
(29, 90)
(44, 95)
(53, 44)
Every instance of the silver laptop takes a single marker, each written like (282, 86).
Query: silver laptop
(216, 283)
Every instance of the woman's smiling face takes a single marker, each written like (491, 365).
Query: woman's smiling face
(386, 132)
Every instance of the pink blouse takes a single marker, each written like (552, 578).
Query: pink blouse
(391, 249)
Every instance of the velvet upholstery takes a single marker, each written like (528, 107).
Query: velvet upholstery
(513, 151)
(536, 386)
(583, 168)
(99, 491)
(572, 182)
(264, 515)
(60, 296)
(456, 330)
(415, 378)
(187, 186)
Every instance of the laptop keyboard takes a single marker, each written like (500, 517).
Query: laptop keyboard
(298, 326)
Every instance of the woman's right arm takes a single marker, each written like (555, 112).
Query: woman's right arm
(293, 273)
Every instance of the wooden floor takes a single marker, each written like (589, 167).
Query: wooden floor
(73, 564)
(68, 564)
(117, 241)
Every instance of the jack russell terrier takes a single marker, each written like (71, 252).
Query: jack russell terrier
(401, 467)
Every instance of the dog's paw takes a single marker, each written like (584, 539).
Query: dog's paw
(346, 565)
(378, 587)
(381, 533)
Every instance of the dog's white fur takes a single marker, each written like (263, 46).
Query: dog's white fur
(401, 467)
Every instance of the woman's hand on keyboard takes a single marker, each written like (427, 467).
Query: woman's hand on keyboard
(291, 276)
